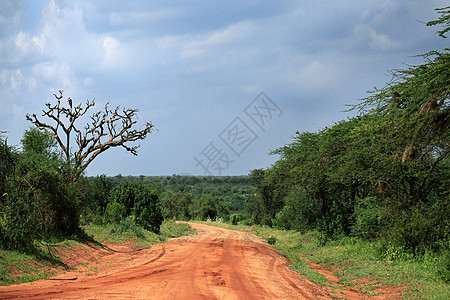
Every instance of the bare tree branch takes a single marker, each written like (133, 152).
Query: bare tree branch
(106, 129)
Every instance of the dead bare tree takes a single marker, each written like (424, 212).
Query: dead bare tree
(106, 129)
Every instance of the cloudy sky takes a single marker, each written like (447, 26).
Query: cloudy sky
(224, 82)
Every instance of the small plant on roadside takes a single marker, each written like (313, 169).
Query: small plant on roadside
(271, 240)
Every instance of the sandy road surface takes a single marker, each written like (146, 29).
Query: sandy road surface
(214, 264)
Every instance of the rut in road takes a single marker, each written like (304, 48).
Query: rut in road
(213, 264)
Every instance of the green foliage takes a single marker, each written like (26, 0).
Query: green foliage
(180, 195)
(38, 201)
(421, 228)
(148, 211)
(271, 240)
(97, 191)
(55, 199)
(235, 218)
(444, 20)
(368, 216)
(268, 199)
(39, 142)
(299, 213)
(115, 212)
(204, 208)
(382, 175)
(176, 205)
(135, 198)
(18, 228)
(128, 225)
(7, 163)
(171, 229)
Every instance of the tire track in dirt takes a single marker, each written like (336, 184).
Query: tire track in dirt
(213, 264)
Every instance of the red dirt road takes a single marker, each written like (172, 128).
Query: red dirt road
(213, 264)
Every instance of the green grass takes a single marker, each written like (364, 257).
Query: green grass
(171, 229)
(16, 267)
(136, 236)
(352, 259)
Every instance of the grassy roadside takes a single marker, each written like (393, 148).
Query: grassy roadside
(355, 263)
(42, 262)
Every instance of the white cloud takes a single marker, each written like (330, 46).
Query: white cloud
(364, 34)
(138, 17)
(54, 74)
(15, 80)
(18, 111)
(112, 52)
(218, 39)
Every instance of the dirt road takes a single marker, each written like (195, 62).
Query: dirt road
(213, 264)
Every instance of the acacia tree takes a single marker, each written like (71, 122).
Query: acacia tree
(106, 129)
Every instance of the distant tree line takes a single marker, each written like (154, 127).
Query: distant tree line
(180, 197)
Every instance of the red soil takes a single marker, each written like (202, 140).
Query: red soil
(213, 264)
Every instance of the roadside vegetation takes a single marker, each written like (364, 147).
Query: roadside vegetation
(356, 263)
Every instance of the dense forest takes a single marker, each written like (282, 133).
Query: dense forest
(383, 175)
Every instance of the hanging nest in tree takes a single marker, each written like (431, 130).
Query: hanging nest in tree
(428, 106)
(410, 153)
(382, 184)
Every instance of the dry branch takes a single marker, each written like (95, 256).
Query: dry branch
(106, 129)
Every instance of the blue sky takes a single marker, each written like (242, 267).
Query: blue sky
(225, 82)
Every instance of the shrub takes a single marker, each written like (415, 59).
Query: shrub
(137, 199)
(299, 213)
(235, 218)
(423, 227)
(128, 225)
(271, 240)
(148, 211)
(115, 212)
(368, 216)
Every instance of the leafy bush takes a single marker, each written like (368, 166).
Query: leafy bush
(271, 240)
(18, 227)
(235, 218)
(137, 199)
(115, 212)
(148, 211)
(299, 213)
(423, 227)
(368, 217)
(129, 225)
(204, 208)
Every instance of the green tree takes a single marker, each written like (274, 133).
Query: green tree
(139, 200)
(204, 207)
(373, 175)
(57, 199)
(7, 164)
(176, 205)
